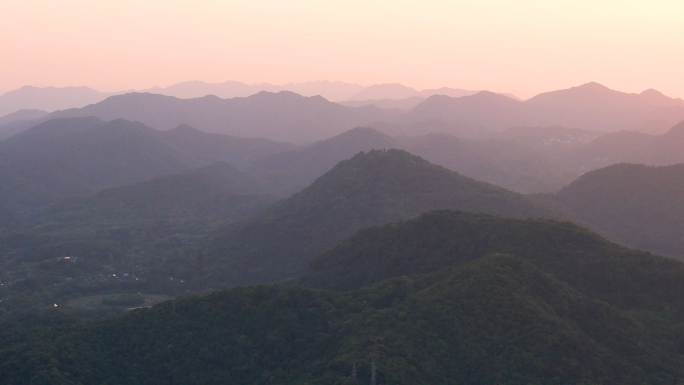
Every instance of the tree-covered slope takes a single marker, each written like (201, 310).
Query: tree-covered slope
(623, 277)
(371, 188)
(642, 206)
(498, 319)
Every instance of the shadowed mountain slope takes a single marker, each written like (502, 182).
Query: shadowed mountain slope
(371, 188)
(642, 206)
(571, 309)
(210, 192)
(78, 156)
(444, 238)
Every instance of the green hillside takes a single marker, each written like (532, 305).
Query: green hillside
(498, 319)
(622, 277)
(371, 188)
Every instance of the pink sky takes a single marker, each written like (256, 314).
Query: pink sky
(523, 47)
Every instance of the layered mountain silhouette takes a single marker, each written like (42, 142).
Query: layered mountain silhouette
(22, 115)
(286, 116)
(49, 98)
(445, 238)
(590, 106)
(370, 188)
(643, 206)
(295, 169)
(217, 191)
(79, 156)
(282, 116)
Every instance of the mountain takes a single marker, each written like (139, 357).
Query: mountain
(283, 116)
(394, 91)
(489, 110)
(199, 89)
(78, 156)
(620, 147)
(48, 98)
(22, 115)
(590, 106)
(571, 308)
(421, 128)
(445, 238)
(207, 148)
(643, 206)
(595, 107)
(215, 191)
(401, 104)
(519, 167)
(145, 231)
(370, 188)
(231, 89)
(333, 91)
(293, 170)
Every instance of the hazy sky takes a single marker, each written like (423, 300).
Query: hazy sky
(518, 46)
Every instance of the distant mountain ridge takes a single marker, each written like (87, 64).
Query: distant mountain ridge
(284, 116)
(590, 106)
(287, 116)
(49, 98)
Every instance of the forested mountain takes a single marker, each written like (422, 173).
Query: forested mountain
(570, 308)
(643, 206)
(371, 188)
(444, 238)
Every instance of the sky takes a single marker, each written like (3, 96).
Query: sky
(519, 46)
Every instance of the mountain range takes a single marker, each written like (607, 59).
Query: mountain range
(53, 98)
(78, 156)
(283, 116)
(590, 106)
(290, 117)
